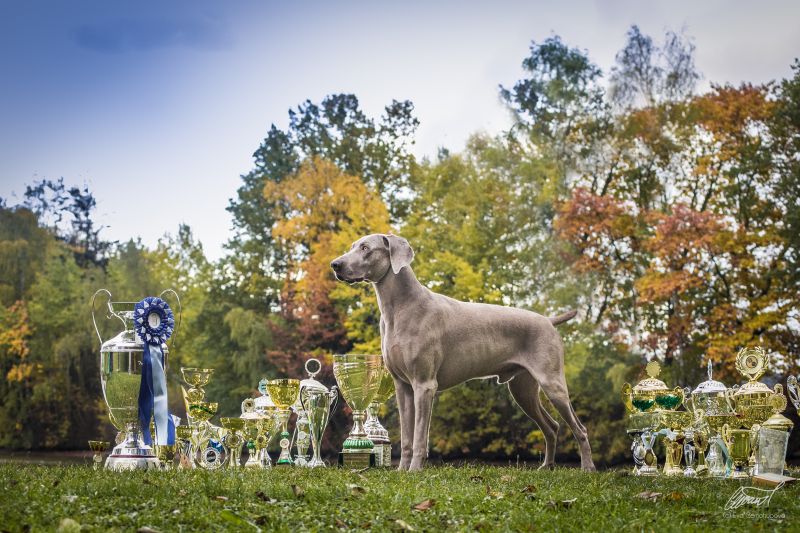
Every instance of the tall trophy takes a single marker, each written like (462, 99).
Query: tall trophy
(375, 430)
(284, 393)
(317, 402)
(132, 375)
(267, 424)
(711, 404)
(793, 391)
(251, 431)
(359, 378)
(205, 443)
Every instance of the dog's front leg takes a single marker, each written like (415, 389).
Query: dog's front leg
(423, 406)
(405, 407)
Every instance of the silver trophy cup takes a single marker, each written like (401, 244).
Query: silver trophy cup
(120, 376)
(317, 403)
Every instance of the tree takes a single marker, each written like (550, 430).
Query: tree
(375, 150)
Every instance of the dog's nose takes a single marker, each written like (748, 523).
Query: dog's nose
(336, 265)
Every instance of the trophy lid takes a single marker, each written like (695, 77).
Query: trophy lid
(652, 383)
(710, 385)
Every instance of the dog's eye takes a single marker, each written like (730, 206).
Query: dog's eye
(364, 248)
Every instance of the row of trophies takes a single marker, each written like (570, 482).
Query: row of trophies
(723, 432)
(362, 380)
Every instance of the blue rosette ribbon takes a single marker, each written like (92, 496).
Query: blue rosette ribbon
(154, 324)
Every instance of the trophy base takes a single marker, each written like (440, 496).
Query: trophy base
(383, 454)
(673, 471)
(739, 474)
(648, 470)
(357, 459)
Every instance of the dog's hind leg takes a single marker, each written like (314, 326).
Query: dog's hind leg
(546, 363)
(556, 390)
(405, 407)
(524, 390)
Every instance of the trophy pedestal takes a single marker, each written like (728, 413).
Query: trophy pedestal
(357, 459)
(126, 456)
(383, 454)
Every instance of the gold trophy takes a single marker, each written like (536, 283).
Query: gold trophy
(739, 446)
(375, 430)
(183, 435)
(232, 440)
(196, 378)
(754, 402)
(284, 392)
(651, 394)
(98, 447)
(359, 378)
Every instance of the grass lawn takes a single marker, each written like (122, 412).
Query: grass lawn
(488, 498)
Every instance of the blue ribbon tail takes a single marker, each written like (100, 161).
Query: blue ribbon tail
(165, 427)
(146, 395)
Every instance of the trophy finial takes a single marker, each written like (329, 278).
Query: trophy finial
(752, 362)
(313, 367)
(653, 369)
(709, 370)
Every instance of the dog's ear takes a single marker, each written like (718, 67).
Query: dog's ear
(400, 252)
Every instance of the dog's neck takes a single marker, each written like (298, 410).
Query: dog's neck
(394, 290)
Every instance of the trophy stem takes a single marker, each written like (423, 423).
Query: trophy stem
(132, 454)
(285, 458)
(358, 439)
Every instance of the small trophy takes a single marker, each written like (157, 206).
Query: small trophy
(183, 434)
(358, 376)
(375, 430)
(738, 442)
(251, 431)
(284, 393)
(98, 447)
(232, 440)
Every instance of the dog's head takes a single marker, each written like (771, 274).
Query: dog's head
(371, 257)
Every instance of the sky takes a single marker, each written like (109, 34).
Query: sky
(162, 104)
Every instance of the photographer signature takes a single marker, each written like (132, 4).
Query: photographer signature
(751, 496)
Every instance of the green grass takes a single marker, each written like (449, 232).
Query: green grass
(466, 498)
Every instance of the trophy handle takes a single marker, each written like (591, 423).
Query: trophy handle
(791, 390)
(681, 393)
(94, 320)
(626, 397)
(334, 397)
(180, 315)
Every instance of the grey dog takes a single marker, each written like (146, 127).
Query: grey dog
(431, 342)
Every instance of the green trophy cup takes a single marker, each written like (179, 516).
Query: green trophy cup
(284, 392)
(359, 378)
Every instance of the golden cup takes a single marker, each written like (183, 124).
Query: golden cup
(284, 392)
(739, 446)
(232, 440)
(98, 447)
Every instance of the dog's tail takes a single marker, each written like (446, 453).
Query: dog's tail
(560, 319)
